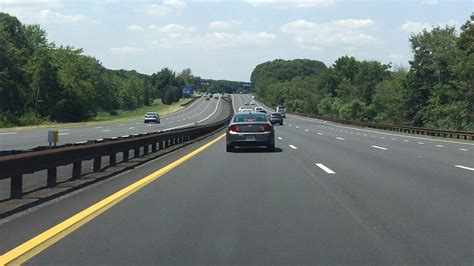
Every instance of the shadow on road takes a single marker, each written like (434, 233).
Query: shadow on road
(255, 150)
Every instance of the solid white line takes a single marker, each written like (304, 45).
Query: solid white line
(293, 147)
(9, 133)
(325, 168)
(464, 167)
(378, 147)
(62, 134)
(462, 149)
(339, 138)
(279, 138)
(439, 146)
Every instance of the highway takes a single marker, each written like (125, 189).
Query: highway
(200, 110)
(328, 194)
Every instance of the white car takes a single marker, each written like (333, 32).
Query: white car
(252, 103)
(258, 109)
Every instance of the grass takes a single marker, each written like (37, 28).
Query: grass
(103, 117)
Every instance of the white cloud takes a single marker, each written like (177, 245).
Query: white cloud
(349, 32)
(135, 28)
(417, 26)
(157, 10)
(284, 4)
(167, 7)
(175, 3)
(217, 40)
(32, 15)
(126, 50)
(224, 24)
(172, 28)
(430, 2)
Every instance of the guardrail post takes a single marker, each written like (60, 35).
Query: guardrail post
(145, 149)
(52, 175)
(76, 169)
(97, 164)
(16, 187)
(125, 156)
(136, 152)
(113, 159)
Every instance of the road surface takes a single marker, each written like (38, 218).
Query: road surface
(328, 194)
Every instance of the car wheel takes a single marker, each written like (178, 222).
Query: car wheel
(281, 124)
(229, 148)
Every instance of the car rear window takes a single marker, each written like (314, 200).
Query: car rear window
(276, 114)
(250, 118)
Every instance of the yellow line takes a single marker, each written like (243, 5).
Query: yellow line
(37, 244)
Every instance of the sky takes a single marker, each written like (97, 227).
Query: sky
(227, 39)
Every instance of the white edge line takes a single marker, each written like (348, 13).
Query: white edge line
(464, 167)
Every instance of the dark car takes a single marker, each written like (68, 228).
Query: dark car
(276, 118)
(250, 130)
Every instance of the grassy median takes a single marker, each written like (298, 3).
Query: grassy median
(103, 117)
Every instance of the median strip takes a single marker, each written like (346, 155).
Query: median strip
(39, 243)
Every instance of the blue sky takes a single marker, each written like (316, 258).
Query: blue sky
(227, 39)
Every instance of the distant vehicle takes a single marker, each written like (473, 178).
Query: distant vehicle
(246, 103)
(252, 103)
(152, 117)
(258, 108)
(247, 111)
(276, 118)
(216, 96)
(207, 99)
(281, 110)
(241, 108)
(250, 130)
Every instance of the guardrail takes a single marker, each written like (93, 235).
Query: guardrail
(14, 166)
(466, 135)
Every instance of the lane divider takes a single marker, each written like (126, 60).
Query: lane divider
(325, 168)
(39, 243)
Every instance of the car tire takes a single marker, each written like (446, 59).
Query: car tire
(281, 124)
(229, 148)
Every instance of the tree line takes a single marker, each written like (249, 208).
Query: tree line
(436, 91)
(41, 81)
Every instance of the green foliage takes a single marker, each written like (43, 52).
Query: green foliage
(437, 91)
(39, 81)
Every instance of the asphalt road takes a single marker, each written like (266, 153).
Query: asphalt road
(27, 139)
(200, 111)
(328, 194)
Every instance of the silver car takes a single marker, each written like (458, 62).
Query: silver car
(250, 130)
(152, 117)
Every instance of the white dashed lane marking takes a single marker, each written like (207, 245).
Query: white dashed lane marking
(380, 148)
(8, 133)
(462, 149)
(106, 130)
(340, 138)
(464, 167)
(279, 138)
(421, 143)
(293, 147)
(439, 146)
(325, 168)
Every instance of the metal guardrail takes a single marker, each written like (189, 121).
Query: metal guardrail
(15, 166)
(444, 133)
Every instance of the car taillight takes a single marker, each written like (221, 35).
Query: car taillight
(234, 128)
(265, 128)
